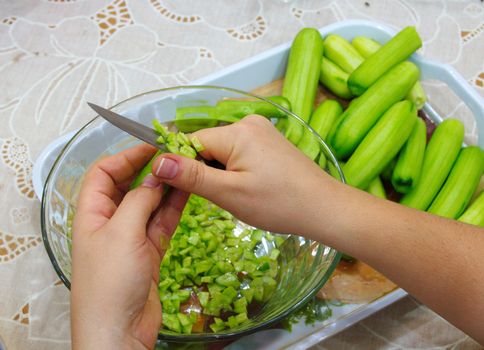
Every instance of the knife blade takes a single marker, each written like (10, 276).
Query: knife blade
(133, 128)
(140, 131)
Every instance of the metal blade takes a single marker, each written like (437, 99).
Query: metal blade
(136, 129)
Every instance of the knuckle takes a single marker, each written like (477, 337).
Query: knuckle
(196, 175)
(133, 195)
(256, 119)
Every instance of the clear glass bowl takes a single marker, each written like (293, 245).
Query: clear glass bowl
(305, 265)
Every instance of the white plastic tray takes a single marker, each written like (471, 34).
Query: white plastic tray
(261, 70)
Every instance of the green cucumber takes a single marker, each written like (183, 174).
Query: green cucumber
(193, 118)
(301, 79)
(340, 51)
(323, 118)
(417, 95)
(367, 47)
(175, 142)
(395, 51)
(387, 172)
(364, 112)
(144, 172)
(380, 145)
(376, 188)
(334, 78)
(440, 155)
(409, 164)
(474, 215)
(281, 101)
(463, 179)
(241, 108)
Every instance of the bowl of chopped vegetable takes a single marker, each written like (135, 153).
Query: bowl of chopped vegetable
(220, 277)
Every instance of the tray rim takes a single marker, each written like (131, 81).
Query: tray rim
(457, 83)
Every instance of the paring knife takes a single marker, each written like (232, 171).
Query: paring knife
(133, 128)
(140, 131)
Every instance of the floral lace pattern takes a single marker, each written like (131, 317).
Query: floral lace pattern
(12, 246)
(15, 154)
(57, 54)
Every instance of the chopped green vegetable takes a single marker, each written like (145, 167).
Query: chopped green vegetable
(206, 253)
(314, 310)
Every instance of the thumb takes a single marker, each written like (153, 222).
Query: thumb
(136, 208)
(192, 176)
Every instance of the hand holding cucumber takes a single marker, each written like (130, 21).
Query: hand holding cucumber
(270, 184)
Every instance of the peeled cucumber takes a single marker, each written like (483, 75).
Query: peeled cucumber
(301, 79)
(340, 51)
(395, 51)
(334, 78)
(474, 215)
(367, 47)
(380, 145)
(364, 112)
(440, 155)
(407, 170)
(322, 120)
(376, 188)
(463, 179)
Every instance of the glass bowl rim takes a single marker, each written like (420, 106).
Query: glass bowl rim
(205, 337)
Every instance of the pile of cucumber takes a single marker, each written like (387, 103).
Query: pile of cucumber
(379, 134)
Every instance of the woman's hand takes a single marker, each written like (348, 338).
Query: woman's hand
(270, 184)
(116, 254)
(267, 183)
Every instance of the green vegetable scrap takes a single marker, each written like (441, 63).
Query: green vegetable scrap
(315, 310)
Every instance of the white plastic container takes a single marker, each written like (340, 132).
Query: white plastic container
(261, 70)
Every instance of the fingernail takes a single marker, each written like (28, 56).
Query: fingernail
(150, 181)
(167, 168)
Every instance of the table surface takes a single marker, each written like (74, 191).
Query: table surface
(57, 54)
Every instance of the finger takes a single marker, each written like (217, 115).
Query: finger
(165, 220)
(220, 142)
(134, 211)
(124, 165)
(193, 176)
(99, 193)
(217, 142)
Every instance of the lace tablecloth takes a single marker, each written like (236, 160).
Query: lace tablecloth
(57, 54)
